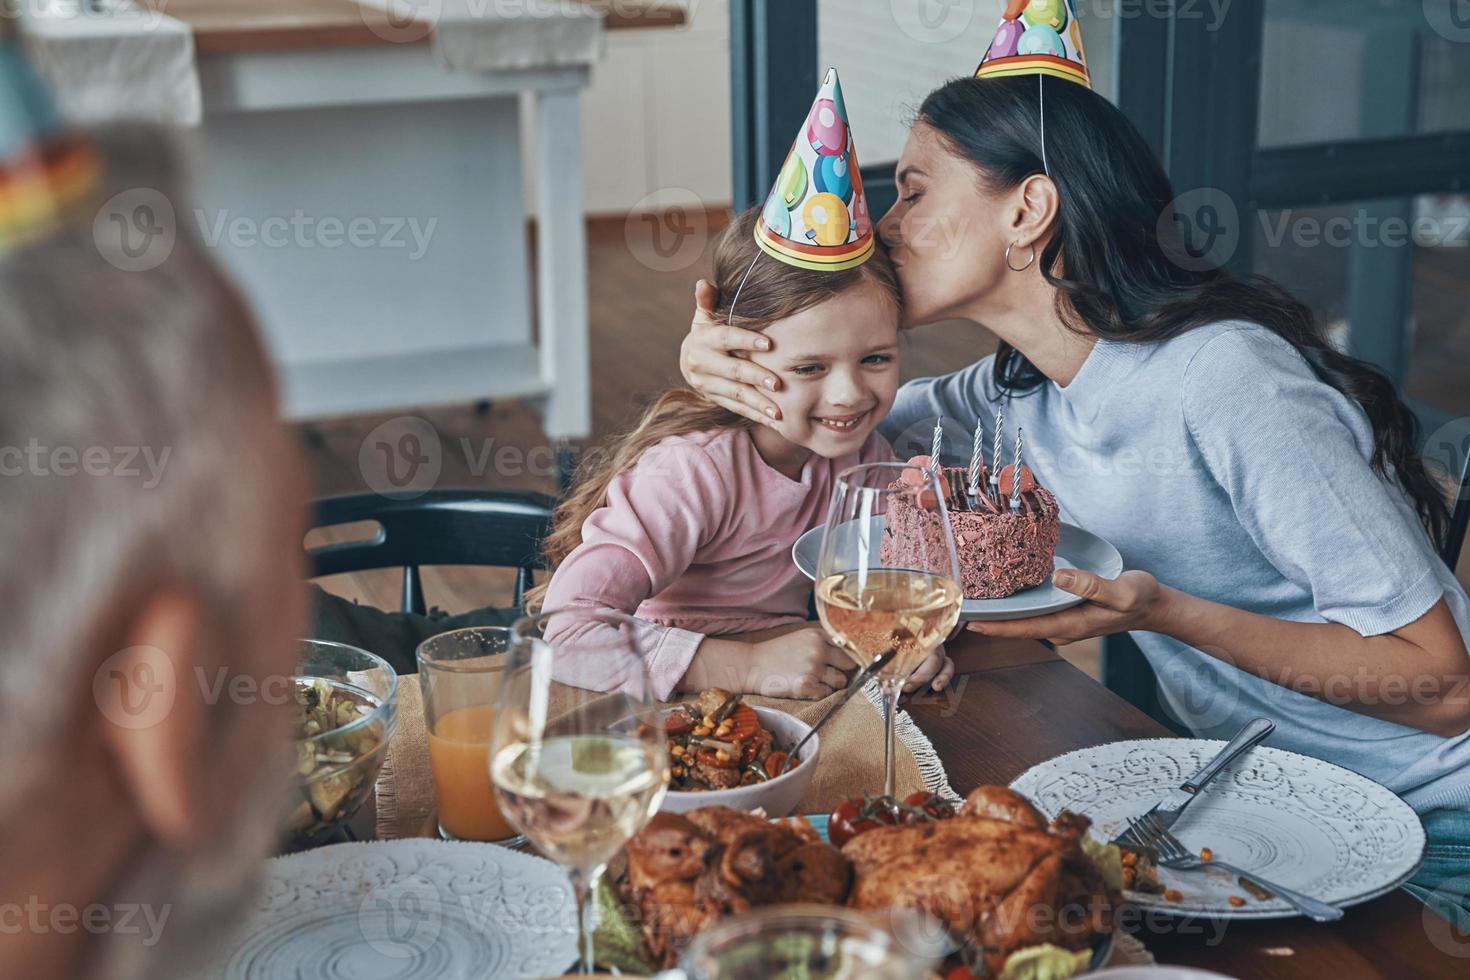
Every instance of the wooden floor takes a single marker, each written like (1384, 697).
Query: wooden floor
(638, 317)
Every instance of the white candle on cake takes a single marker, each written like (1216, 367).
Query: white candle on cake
(1016, 474)
(977, 461)
(1000, 423)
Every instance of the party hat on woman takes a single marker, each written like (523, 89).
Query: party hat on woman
(816, 216)
(47, 174)
(1037, 37)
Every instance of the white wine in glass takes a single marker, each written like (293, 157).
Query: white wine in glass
(578, 771)
(869, 606)
(585, 795)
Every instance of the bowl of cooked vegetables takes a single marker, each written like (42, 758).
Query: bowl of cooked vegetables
(725, 752)
(346, 705)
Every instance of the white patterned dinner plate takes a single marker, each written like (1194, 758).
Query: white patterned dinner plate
(393, 910)
(1306, 824)
(1076, 548)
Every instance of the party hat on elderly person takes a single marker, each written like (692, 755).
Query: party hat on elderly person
(816, 216)
(47, 174)
(1037, 37)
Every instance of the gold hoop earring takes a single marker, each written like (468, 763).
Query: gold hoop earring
(1028, 261)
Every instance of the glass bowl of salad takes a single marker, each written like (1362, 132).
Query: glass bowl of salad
(346, 707)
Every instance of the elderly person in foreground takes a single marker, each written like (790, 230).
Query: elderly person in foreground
(148, 507)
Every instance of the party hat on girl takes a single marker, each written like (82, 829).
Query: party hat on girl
(47, 174)
(1037, 37)
(816, 216)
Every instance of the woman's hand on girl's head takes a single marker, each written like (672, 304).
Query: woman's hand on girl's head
(707, 361)
(1133, 601)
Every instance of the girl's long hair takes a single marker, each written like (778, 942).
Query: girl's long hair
(772, 291)
(1113, 271)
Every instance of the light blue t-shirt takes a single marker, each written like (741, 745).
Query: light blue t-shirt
(1218, 462)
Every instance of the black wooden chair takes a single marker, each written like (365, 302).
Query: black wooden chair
(1459, 520)
(502, 529)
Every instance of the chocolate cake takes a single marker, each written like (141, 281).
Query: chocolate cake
(1000, 551)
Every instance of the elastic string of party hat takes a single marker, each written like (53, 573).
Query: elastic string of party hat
(1041, 87)
(730, 318)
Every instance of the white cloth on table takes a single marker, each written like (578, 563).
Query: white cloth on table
(471, 35)
(119, 62)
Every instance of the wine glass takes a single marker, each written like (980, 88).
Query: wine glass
(578, 770)
(813, 941)
(887, 577)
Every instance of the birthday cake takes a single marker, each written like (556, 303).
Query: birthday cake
(1001, 551)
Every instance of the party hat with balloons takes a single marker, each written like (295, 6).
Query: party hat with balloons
(46, 173)
(1037, 37)
(816, 216)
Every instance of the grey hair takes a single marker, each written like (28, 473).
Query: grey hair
(102, 364)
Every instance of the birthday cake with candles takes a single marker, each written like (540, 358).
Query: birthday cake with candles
(1005, 536)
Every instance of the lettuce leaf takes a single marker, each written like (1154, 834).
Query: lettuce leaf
(1045, 962)
(617, 943)
(1108, 858)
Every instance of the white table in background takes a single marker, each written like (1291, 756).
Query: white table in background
(324, 109)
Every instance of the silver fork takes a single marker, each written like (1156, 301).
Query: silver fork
(1172, 806)
(1171, 854)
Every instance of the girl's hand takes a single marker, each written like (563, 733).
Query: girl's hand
(1132, 601)
(707, 361)
(936, 671)
(802, 664)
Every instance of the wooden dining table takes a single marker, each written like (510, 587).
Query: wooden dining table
(1015, 703)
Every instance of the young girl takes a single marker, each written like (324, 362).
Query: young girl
(689, 520)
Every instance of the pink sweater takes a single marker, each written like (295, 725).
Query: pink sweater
(695, 540)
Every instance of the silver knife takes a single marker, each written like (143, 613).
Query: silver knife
(1172, 805)
(855, 685)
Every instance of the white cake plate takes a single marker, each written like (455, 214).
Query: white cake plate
(1075, 549)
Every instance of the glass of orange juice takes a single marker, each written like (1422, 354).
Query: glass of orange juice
(460, 676)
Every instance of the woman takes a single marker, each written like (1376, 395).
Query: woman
(1264, 489)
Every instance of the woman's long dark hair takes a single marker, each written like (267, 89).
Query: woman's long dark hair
(1114, 273)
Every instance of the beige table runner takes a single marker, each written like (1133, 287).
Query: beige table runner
(851, 762)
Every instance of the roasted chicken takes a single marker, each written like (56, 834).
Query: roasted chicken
(997, 874)
(686, 871)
